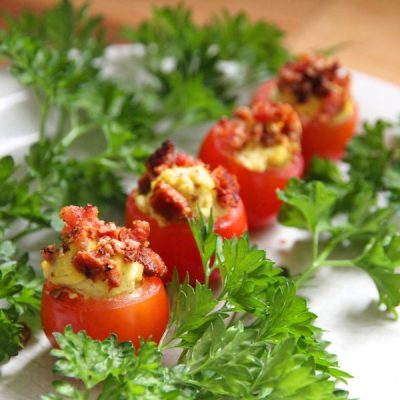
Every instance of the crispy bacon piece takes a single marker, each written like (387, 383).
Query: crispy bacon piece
(185, 160)
(83, 228)
(49, 252)
(74, 215)
(314, 75)
(168, 202)
(97, 268)
(144, 183)
(152, 262)
(162, 158)
(140, 231)
(227, 187)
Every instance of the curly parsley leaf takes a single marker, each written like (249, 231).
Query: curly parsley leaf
(357, 210)
(10, 332)
(380, 259)
(307, 205)
(20, 292)
(188, 69)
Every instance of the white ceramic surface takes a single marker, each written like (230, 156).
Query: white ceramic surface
(366, 342)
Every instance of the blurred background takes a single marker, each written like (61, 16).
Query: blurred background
(367, 31)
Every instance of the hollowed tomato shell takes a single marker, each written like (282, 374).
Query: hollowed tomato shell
(257, 189)
(142, 313)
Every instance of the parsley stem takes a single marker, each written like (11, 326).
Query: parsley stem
(315, 244)
(339, 263)
(26, 231)
(61, 124)
(303, 277)
(43, 119)
(75, 132)
(315, 263)
(233, 319)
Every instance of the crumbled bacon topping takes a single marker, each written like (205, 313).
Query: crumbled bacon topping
(227, 187)
(313, 75)
(170, 203)
(265, 124)
(83, 228)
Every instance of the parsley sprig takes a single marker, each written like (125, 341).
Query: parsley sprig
(356, 211)
(256, 339)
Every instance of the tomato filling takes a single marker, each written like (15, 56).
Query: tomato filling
(99, 259)
(267, 135)
(176, 187)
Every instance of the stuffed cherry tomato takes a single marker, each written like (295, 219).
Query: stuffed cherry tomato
(319, 90)
(103, 279)
(261, 146)
(174, 188)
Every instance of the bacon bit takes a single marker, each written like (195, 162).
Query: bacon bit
(168, 202)
(152, 262)
(49, 252)
(314, 75)
(140, 231)
(227, 187)
(162, 158)
(74, 215)
(144, 183)
(265, 123)
(185, 160)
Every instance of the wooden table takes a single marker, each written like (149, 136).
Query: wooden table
(369, 29)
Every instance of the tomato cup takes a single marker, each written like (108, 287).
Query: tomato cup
(176, 245)
(258, 190)
(326, 138)
(143, 313)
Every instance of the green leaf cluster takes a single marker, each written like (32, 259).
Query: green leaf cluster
(354, 211)
(186, 60)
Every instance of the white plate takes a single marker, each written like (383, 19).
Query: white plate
(366, 342)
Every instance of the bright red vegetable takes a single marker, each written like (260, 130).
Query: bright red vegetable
(175, 242)
(320, 92)
(141, 313)
(172, 188)
(103, 279)
(257, 188)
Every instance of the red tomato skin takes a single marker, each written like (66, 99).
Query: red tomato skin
(327, 139)
(257, 189)
(176, 245)
(143, 313)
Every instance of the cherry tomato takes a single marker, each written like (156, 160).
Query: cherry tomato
(325, 138)
(257, 189)
(176, 245)
(142, 313)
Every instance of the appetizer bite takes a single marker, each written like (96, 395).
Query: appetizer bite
(176, 187)
(261, 146)
(319, 90)
(103, 279)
